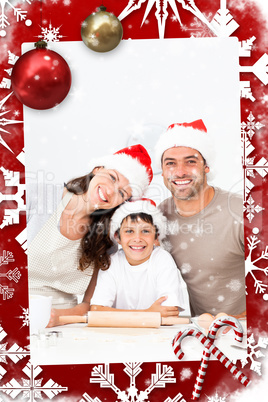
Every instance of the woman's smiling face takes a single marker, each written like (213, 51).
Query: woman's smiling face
(108, 188)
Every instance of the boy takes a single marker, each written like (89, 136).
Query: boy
(141, 277)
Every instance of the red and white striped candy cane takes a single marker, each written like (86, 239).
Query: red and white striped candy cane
(215, 325)
(176, 343)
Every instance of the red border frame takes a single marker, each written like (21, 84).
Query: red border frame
(68, 16)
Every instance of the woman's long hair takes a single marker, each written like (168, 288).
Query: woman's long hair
(96, 243)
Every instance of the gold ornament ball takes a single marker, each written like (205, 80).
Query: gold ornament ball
(101, 31)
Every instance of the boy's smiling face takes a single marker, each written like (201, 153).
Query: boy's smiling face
(137, 240)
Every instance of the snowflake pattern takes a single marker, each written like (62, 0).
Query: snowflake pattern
(18, 13)
(250, 208)
(234, 285)
(198, 29)
(6, 82)
(251, 125)
(259, 69)
(162, 13)
(245, 50)
(250, 264)
(216, 398)
(223, 22)
(22, 239)
(12, 215)
(4, 121)
(248, 130)
(186, 374)
(34, 391)
(12, 275)
(254, 351)
(101, 375)
(25, 317)
(50, 34)
(14, 353)
(246, 46)
(32, 388)
(6, 258)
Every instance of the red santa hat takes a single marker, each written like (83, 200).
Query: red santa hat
(193, 135)
(142, 205)
(132, 162)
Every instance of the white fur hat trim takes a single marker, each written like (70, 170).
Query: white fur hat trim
(129, 167)
(138, 206)
(180, 136)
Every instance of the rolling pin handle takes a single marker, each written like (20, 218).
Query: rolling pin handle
(72, 319)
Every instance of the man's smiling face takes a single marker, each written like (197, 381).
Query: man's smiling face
(184, 172)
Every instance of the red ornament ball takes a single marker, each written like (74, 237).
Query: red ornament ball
(41, 78)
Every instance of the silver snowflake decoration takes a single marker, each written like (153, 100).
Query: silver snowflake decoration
(31, 389)
(18, 13)
(251, 264)
(163, 375)
(250, 208)
(50, 34)
(254, 351)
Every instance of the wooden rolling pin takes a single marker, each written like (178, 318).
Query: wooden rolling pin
(131, 319)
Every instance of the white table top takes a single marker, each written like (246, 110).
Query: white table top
(80, 344)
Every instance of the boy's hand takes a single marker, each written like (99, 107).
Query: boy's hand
(166, 311)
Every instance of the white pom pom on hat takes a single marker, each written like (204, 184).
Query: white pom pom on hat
(133, 162)
(191, 135)
(142, 205)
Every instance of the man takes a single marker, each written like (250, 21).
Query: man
(205, 236)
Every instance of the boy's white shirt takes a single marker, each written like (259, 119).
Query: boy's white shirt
(124, 286)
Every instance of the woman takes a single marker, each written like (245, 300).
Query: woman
(76, 234)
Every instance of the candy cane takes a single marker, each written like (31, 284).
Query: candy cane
(215, 325)
(176, 343)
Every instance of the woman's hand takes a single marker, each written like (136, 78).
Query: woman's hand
(166, 311)
(54, 319)
(79, 309)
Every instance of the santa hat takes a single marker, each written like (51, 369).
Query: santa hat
(132, 162)
(193, 135)
(142, 205)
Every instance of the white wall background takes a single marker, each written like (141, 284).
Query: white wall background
(132, 94)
